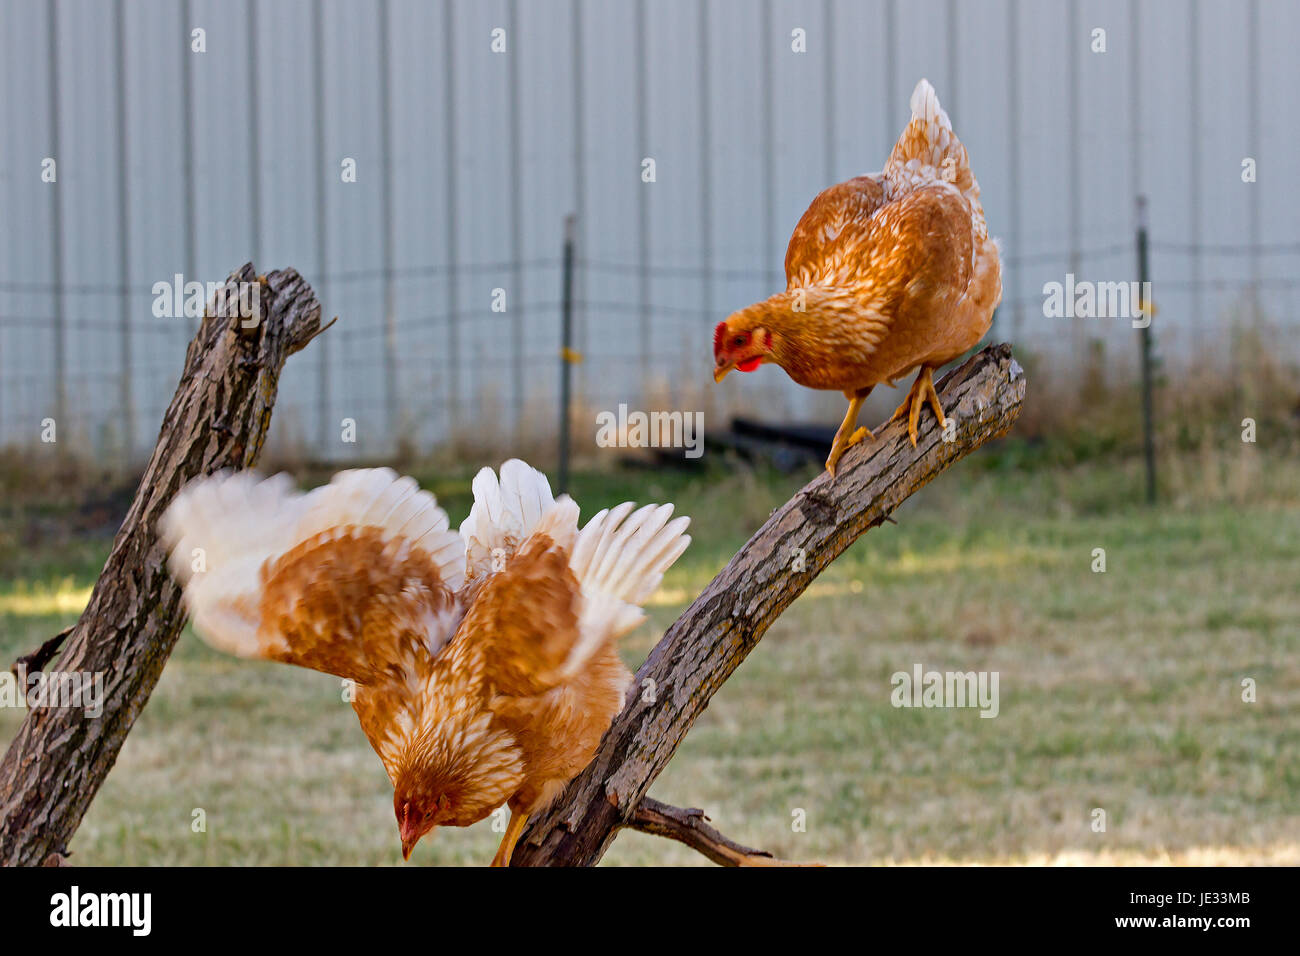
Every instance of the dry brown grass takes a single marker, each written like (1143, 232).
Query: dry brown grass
(1119, 691)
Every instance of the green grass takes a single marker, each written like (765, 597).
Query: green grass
(1119, 691)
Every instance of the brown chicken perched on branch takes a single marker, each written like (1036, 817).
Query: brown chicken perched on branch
(885, 274)
(484, 663)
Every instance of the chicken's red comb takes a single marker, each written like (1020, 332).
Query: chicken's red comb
(718, 333)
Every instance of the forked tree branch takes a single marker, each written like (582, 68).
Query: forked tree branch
(217, 419)
(708, 642)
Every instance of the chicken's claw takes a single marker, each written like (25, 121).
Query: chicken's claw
(922, 390)
(840, 447)
(833, 459)
(843, 439)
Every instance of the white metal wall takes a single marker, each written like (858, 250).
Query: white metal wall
(234, 154)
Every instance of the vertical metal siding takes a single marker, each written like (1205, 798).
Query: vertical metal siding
(489, 151)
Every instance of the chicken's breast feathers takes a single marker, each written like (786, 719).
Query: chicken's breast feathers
(355, 579)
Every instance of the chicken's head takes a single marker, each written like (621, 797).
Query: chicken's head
(454, 777)
(417, 814)
(740, 342)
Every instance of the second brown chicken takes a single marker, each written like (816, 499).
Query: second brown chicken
(885, 274)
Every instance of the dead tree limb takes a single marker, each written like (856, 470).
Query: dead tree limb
(691, 827)
(708, 642)
(217, 419)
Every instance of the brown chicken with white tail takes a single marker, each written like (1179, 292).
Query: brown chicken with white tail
(885, 274)
(484, 663)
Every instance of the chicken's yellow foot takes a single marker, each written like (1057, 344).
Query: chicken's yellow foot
(513, 831)
(922, 390)
(845, 436)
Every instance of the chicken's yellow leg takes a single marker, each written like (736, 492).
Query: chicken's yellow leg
(922, 390)
(513, 831)
(845, 436)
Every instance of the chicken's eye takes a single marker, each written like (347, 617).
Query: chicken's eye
(739, 341)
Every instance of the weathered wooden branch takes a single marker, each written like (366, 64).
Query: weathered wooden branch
(691, 827)
(708, 642)
(217, 419)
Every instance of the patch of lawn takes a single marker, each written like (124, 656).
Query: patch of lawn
(1119, 691)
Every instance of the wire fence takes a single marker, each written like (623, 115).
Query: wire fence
(513, 388)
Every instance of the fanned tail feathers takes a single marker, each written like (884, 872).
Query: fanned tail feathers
(929, 152)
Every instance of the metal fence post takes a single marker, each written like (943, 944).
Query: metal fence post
(125, 395)
(566, 350)
(391, 391)
(322, 235)
(1144, 333)
(56, 229)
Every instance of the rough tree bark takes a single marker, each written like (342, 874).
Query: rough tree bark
(708, 642)
(217, 419)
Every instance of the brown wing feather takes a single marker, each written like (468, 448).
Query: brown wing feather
(353, 604)
(526, 617)
(920, 265)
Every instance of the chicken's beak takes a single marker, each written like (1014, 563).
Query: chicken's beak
(410, 832)
(720, 371)
(410, 839)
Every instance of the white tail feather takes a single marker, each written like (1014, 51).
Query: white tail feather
(505, 512)
(928, 153)
(927, 111)
(560, 522)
